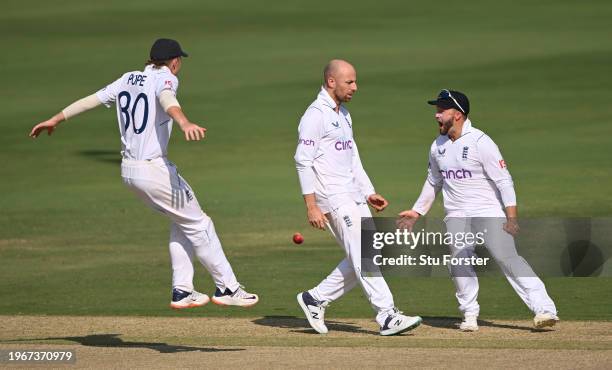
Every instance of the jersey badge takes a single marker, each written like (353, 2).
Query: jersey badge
(347, 221)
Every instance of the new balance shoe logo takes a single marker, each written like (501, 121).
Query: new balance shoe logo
(315, 315)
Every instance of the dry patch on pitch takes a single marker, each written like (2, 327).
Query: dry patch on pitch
(288, 342)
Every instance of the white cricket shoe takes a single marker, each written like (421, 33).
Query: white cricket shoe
(238, 298)
(469, 323)
(314, 311)
(397, 323)
(182, 299)
(543, 320)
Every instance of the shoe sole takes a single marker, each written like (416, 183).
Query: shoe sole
(191, 305)
(413, 326)
(470, 329)
(219, 303)
(307, 313)
(545, 323)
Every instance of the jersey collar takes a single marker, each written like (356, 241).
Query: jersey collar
(327, 99)
(467, 127)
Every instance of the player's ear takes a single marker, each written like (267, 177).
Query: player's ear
(175, 64)
(331, 82)
(458, 115)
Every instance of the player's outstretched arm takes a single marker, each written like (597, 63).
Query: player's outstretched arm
(191, 130)
(76, 108)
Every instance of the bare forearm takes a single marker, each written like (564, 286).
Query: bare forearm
(178, 116)
(60, 117)
(511, 212)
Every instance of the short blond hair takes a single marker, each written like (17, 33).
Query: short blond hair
(158, 63)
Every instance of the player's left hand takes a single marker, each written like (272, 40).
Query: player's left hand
(377, 202)
(511, 226)
(193, 131)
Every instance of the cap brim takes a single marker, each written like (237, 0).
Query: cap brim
(183, 54)
(442, 103)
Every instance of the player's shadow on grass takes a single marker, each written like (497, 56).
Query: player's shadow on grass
(453, 323)
(108, 156)
(300, 325)
(113, 340)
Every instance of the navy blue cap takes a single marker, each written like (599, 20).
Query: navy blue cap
(164, 49)
(452, 99)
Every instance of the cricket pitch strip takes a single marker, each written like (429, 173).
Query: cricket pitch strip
(286, 341)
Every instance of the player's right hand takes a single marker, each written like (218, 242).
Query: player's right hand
(316, 218)
(193, 132)
(407, 219)
(48, 125)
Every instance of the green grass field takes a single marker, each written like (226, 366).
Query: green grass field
(74, 241)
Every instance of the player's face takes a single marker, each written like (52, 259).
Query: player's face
(445, 118)
(345, 84)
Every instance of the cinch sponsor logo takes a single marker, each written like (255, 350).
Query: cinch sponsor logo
(344, 145)
(309, 142)
(460, 173)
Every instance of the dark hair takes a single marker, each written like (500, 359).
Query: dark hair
(158, 63)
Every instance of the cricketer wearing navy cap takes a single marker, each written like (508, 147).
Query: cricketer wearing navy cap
(146, 108)
(466, 165)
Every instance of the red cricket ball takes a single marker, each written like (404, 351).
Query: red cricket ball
(298, 238)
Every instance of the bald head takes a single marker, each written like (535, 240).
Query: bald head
(340, 80)
(336, 67)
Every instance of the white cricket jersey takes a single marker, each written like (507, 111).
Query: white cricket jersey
(144, 126)
(327, 159)
(472, 174)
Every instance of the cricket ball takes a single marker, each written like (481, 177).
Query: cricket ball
(298, 238)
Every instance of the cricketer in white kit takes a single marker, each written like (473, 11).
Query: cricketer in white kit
(478, 196)
(337, 191)
(146, 108)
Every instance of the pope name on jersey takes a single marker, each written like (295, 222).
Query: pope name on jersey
(144, 125)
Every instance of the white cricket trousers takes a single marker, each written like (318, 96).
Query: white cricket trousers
(158, 183)
(345, 225)
(501, 246)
